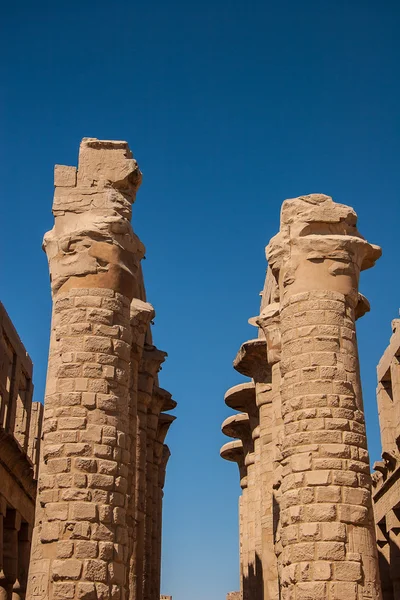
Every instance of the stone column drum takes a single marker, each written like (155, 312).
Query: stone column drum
(328, 538)
(240, 426)
(234, 452)
(80, 540)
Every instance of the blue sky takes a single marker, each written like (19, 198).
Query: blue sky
(229, 108)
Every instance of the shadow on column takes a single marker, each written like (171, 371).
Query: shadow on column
(253, 584)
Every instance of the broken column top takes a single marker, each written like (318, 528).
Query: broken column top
(92, 243)
(319, 247)
(101, 163)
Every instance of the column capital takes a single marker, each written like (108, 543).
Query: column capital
(92, 244)
(251, 360)
(161, 400)
(242, 398)
(233, 451)
(238, 426)
(319, 247)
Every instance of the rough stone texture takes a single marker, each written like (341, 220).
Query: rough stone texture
(234, 596)
(99, 481)
(312, 501)
(20, 425)
(386, 479)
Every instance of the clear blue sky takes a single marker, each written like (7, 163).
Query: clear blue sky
(229, 108)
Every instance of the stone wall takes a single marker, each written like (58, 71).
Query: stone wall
(386, 479)
(20, 430)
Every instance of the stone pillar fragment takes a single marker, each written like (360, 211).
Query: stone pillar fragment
(149, 367)
(161, 456)
(11, 527)
(234, 452)
(24, 547)
(80, 541)
(141, 314)
(166, 453)
(239, 426)
(325, 511)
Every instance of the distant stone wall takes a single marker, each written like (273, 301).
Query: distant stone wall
(20, 431)
(386, 479)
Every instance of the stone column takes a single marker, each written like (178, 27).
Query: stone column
(252, 361)
(326, 517)
(238, 426)
(11, 527)
(271, 431)
(3, 580)
(141, 314)
(80, 541)
(24, 548)
(233, 451)
(161, 482)
(149, 367)
(158, 398)
(163, 425)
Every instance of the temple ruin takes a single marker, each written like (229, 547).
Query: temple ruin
(20, 428)
(306, 521)
(97, 529)
(386, 478)
(83, 476)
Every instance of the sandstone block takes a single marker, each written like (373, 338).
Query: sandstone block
(66, 569)
(348, 571)
(311, 591)
(330, 551)
(83, 511)
(64, 591)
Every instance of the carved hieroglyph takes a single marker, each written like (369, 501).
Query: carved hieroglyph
(98, 487)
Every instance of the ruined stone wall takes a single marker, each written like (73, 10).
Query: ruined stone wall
(386, 479)
(20, 430)
(99, 480)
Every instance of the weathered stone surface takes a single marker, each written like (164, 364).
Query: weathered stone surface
(20, 431)
(312, 475)
(98, 517)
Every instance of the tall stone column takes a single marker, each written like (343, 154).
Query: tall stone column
(80, 540)
(149, 367)
(24, 547)
(234, 452)
(252, 362)
(141, 314)
(328, 538)
(239, 426)
(166, 453)
(159, 398)
(160, 458)
(11, 527)
(3, 580)
(271, 432)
